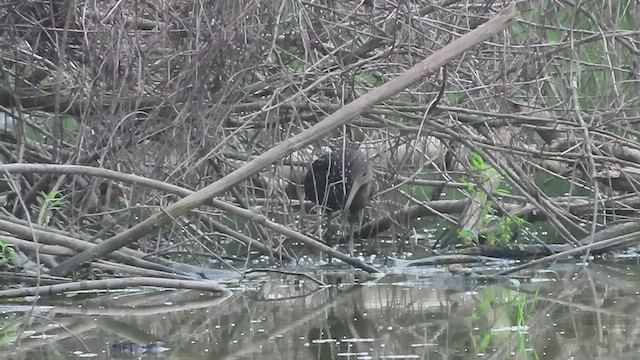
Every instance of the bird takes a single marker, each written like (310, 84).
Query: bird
(341, 180)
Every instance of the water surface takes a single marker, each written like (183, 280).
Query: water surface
(572, 312)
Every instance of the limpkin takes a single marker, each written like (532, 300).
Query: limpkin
(341, 180)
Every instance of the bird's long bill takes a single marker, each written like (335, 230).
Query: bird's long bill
(357, 184)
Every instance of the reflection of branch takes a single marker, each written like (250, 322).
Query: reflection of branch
(60, 332)
(256, 345)
(54, 335)
(68, 326)
(111, 284)
(138, 309)
(293, 273)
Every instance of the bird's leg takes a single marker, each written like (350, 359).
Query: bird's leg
(329, 234)
(350, 244)
(347, 231)
(354, 223)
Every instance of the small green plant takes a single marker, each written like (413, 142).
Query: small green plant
(495, 229)
(49, 204)
(499, 229)
(477, 162)
(501, 314)
(466, 235)
(6, 253)
(469, 185)
(9, 329)
(524, 307)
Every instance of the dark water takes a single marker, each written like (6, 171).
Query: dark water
(572, 312)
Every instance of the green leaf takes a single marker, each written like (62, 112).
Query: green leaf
(477, 161)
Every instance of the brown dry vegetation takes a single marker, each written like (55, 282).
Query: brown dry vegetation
(186, 92)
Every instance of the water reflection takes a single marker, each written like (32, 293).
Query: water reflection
(584, 313)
